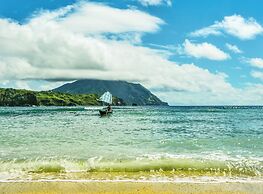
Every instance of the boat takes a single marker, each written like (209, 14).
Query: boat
(106, 98)
(105, 112)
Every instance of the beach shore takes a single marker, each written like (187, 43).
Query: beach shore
(115, 187)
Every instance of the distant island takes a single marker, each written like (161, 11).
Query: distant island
(130, 93)
(81, 93)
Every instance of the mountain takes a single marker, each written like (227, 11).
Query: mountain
(13, 97)
(131, 94)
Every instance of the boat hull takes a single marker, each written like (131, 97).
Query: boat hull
(105, 112)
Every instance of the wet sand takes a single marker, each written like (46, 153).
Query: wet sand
(71, 187)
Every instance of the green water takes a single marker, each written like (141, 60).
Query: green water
(54, 143)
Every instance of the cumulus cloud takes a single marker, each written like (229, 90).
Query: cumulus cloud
(251, 94)
(233, 48)
(45, 42)
(234, 25)
(37, 85)
(257, 74)
(90, 18)
(204, 50)
(155, 2)
(255, 62)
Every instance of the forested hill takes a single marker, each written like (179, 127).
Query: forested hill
(14, 97)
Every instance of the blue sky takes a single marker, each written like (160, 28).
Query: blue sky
(186, 51)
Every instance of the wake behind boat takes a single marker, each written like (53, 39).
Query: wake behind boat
(106, 98)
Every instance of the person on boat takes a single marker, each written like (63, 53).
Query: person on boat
(109, 109)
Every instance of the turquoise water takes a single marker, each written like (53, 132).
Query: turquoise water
(166, 141)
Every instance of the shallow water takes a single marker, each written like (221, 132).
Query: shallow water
(75, 142)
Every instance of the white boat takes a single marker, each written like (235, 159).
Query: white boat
(106, 98)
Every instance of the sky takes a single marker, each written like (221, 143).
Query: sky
(187, 52)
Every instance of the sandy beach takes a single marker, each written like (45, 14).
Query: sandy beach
(98, 187)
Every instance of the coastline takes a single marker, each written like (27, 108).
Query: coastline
(130, 187)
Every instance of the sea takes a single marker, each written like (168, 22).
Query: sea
(203, 144)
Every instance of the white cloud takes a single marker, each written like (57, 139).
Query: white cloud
(204, 50)
(90, 18)
(155, 2)
(234, 25)
(22, 85)
(37, 85)
(251, 94)
(233, 48)
(257, 74)
(50, 44)
(255, 62)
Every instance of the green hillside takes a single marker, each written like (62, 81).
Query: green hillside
(13, 97)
